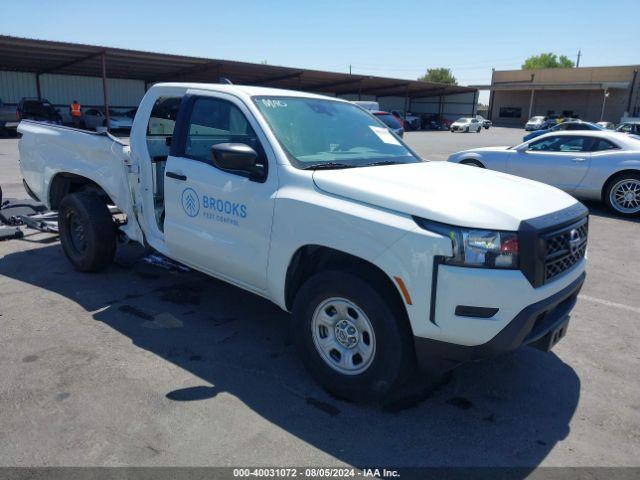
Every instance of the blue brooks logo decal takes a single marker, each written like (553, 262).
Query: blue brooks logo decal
(190, 202)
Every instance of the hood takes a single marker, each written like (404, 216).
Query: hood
(447, 192)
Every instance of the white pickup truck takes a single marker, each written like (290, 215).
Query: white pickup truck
(384, 260)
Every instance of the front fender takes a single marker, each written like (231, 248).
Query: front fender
(304, 217)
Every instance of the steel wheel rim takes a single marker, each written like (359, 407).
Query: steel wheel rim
(625, 196)
(77, 233)
(343, 336)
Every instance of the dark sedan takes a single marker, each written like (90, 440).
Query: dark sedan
(40, 110)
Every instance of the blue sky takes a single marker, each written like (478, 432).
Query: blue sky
(387, 38)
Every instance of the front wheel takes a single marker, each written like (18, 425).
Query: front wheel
(87, 231)
(352, 336)
(622, 194)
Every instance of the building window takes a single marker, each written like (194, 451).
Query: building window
(510, 112)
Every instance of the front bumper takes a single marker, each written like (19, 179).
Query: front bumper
(540, 325)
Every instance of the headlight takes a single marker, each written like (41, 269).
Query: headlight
(474, 247)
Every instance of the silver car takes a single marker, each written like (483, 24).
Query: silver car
(466, 124)
(535, 123)
(594, 165)
(93, 118)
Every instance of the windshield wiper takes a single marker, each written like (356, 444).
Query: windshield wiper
(328, 166)
(377, 164)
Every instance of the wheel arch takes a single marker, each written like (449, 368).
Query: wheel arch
(64, 183)
(613, 176)
(311, 259)
(468, 160)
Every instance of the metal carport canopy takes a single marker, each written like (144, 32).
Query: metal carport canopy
(43, 56)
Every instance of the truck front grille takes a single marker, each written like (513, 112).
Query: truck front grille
(565, 248)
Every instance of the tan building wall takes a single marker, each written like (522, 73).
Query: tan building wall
(579, 91)
(567, 75)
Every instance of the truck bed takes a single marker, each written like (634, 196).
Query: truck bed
(47, 151)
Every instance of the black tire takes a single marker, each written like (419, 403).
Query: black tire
(472, 163)
(87, 231)
(611, 184)
(479, 129)
(393, 361)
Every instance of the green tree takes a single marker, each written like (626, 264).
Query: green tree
(439, 75)
(547, 60)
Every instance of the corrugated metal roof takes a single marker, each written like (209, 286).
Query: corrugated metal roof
(44, 56)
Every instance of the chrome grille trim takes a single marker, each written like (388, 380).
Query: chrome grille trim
(565, 248)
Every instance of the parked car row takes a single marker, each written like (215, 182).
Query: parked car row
(564, 126)
(42, 110)
(542, 124)
(410, 122)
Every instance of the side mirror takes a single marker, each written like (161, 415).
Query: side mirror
(236, 156)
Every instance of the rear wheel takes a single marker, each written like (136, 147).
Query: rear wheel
(622, 194)
(352, 337)
(87, 231)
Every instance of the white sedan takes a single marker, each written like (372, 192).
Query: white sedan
(466, 124)
(594, 165)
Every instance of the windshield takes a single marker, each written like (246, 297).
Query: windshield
(339, 134)
(536, 119)
(389, 120)
(463, 120)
